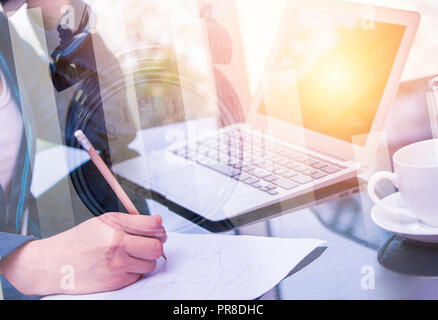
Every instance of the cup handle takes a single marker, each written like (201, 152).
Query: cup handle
(385, 175)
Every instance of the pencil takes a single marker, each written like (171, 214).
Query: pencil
(107, 174)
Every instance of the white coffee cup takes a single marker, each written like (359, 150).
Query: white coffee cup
(416, 177)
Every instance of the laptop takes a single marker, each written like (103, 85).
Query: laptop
(314, 121)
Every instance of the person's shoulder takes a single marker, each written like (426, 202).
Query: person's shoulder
(9, 242)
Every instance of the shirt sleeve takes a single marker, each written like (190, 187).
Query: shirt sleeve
(8, 243)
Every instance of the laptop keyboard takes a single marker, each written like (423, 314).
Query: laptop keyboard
(258, 161)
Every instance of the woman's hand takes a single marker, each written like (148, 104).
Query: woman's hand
(102, 254)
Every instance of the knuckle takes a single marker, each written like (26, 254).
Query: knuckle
(116, 243)
(119, 241)
(111, 215)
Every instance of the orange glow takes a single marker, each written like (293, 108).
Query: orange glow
(336, 77)
(341, 73)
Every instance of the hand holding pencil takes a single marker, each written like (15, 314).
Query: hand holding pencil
(107, 174)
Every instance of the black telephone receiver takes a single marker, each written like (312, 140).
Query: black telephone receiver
(73, 60)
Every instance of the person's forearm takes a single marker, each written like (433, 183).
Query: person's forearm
(23, 269)
(101, 254)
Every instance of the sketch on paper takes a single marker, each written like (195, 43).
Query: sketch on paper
(214, 274)
(203, 267)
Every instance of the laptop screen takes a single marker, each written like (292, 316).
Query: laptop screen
(329, 73)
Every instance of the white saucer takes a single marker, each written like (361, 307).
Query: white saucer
(406, 227)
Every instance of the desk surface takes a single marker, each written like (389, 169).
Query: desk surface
(343, 271)
(348, 268)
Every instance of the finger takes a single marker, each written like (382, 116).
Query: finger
(159, 220)
(140, 266)
(146, 226)
(142, 247)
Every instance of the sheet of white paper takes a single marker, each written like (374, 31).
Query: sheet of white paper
(203, 267)
(53, 164)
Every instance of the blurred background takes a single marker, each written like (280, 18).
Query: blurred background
(149, 21)
(149, 26)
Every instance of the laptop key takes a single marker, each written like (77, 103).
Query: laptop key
(258, 163)
(293, 165)
(301, 179)
(330, 169)
(310, 162)
(341, 166)
(271, 178)
(261, 173)
(285, 184)
(241, 177)
(319, 175)
(309, 172)
(301, 158)
(247, 168)
(273, 192)
(319, 165)
(301, 169)
(289, 174)
(251, 181)
(280, 171)
(293, 155)
(219, 167)
(283, 162)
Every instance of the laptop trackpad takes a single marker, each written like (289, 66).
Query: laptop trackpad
(210, 194)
